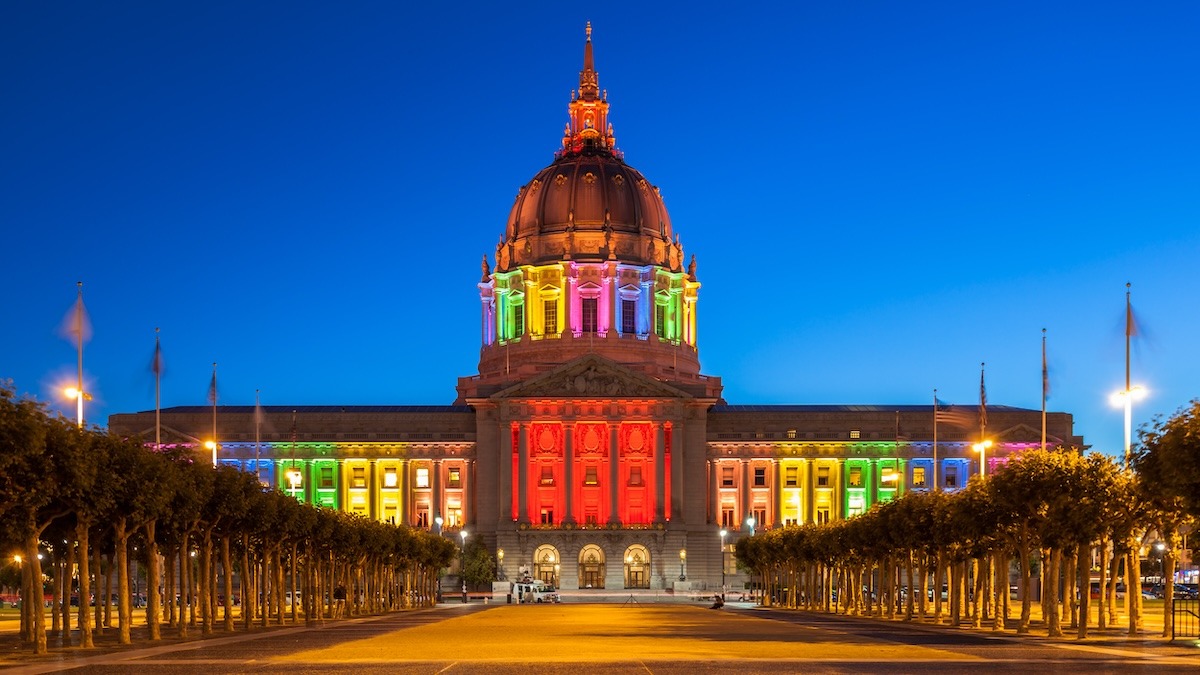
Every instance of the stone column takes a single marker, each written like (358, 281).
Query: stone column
(778, 487)
(613, 476)
(873, 484)
(404, 498)
(744, 494)
(438, 500)
(569, 472)
(372, 491)
(523, 474)
(660, 476)
(810, 491)
(714, 492)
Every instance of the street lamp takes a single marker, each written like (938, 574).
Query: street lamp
(462, 563)
(723, 534)
(500, 563)
(212, 445)
(982, 447)
(682, 561)
(1125, 398)
(1161, 547)
(750, 524)
(438, 522)
(77, 395)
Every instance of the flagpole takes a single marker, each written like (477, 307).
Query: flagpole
(1045, 386)
(257, 429)
(937, 483)
(157, 391)
(214, 405)
(79, 344)
(1128, 387)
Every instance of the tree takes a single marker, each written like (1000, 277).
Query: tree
(478, 565)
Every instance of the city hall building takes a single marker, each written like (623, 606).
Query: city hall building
(589, 449)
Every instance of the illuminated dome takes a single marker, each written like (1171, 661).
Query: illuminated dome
(588, 265)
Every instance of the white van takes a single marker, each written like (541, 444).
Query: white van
(534, 591)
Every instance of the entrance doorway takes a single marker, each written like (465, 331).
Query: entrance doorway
(637, 567)
(546, 564)
(591, 567)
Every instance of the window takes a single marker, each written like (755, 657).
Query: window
(454, 517)
(422, 478)
(635, 476)
(390, 480)
(855, 476)
(791, 433)
(547, 475)
(791, 477)
(358, 477)
(855, 433)
(951, 476)
(760, 476)
(423, 517)
(727, 519)
(822, 515)
(590, 310)
(727, 476)
(919, 476)
(629, 316)
(518, 320)
(550, 317)
(453, 477)
(590, 477)
(327, 477)
(822, 476)
(547, 516)
(660, 320)
(591, 517)
(760, 516)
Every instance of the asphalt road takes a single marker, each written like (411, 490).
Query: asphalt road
(612, 638)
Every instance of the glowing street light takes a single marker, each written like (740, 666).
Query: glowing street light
(1125, 398)
(682, 562)
(750, 524)
(212, 445)
(79, 396)
(724, 533)
(982, 448)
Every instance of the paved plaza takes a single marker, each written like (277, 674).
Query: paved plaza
(616, 638)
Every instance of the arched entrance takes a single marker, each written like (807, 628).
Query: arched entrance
(591, 567)
(637, 567)
(547, 564)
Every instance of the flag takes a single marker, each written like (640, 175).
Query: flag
(1131, 327)
(156, 363)
(1045, 370)
(76, 326)
(955, 418)
(212, 387)
(982, 401)
(258, 411)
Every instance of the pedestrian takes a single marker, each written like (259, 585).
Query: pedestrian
(339, 602)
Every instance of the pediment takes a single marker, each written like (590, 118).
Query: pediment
(169, 436)
(1023, 433)
(589, 377)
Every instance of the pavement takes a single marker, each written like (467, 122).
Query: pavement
(648, 634)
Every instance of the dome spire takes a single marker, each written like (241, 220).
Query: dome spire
(589, 128)
(589, 88)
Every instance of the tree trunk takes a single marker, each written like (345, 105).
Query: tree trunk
(153, 600)
(1050, 595)
(1133, 591)
(66, 610)
(1082, 574)
(124, 608)
(35, 599)
(1026, 583)
(246, 584)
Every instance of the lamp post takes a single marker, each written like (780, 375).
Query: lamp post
(212, 446)
(500, 564)
(462, 563)
(723, 534)
(78, 395)
(682, 561)
(750, 524)
(1125, 398)
(1161, 547)
(982, 447)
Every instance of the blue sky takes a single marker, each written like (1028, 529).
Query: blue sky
(880, 196)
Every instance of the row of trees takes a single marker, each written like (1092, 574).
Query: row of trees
(85, 498)
(1055, 511)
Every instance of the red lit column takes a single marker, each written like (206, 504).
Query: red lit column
(666, 475)
(659, 473)
(514, 486)
(569, 472)
(613, 466)
(523, 474)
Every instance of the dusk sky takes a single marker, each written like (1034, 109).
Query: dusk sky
(880, 195)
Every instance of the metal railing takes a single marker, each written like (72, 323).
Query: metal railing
(1185, 618)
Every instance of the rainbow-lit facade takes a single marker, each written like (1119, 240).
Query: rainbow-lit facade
(589, 449)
